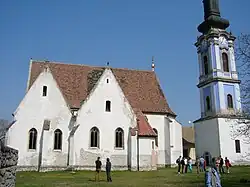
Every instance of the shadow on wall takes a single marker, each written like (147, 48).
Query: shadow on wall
(129, 150)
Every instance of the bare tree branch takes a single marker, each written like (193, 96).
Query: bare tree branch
(242, 53)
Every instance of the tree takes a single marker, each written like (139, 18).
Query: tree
(243, 60)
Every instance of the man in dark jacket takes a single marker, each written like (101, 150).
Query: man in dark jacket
(108, 170)
(221, 169)
(98, 165)
(178, 161)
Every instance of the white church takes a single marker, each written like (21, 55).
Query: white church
(71, 114)
(219, 91)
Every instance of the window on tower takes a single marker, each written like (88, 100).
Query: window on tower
(208, 106)
(230, 101)
(225, 62)
(205, 62)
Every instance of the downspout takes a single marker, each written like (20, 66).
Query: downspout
(138, 152)
(68, 150)
(138, 148)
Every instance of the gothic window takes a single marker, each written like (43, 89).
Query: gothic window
(58, 139)
(108, 106)
(119, 138)
(32, 138)
(208, 106)
(44, 91)
(225, 62)
(237, 146)
(94, 137)
(230, 101)
(156, 138)
(205, 62)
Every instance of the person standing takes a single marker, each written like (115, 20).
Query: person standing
(190, 163)
(178, 161)
(98, 165)
(202, 162)
(182, 165)
(221, 169)
(198, 165)
(227, 163)
(108, 170)
(186, 164)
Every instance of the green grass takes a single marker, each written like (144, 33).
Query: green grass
(163, 177)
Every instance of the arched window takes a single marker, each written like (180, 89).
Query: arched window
(108, 106)
(32, 138)
(208, 107)
(58, 139)
(94, 137)
(119, 138)
(225, 62)
(205, 62)
(156, 138)
(230, 101)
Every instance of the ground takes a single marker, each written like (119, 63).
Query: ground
(239, 177)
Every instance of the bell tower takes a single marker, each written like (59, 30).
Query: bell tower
(219, 86)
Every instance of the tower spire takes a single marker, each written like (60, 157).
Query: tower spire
(153, 64)
(212, 17)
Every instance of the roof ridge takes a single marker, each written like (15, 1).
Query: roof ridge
(91, 66)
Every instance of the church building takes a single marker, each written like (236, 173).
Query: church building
(71, 114)
(219, 86)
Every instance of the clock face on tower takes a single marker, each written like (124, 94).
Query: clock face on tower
(223, 41)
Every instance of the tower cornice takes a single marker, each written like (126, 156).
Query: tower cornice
(217, 79)
(213, 34)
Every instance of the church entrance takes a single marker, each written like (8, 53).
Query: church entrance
(208, 158)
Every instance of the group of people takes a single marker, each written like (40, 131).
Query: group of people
(98, 165)
(185, 164)
(218, 164)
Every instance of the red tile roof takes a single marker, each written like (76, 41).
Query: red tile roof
(141, 88)
(144, 128)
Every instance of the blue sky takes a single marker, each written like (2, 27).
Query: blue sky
(125, 33)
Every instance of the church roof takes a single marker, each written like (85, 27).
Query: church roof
(144, 128)
(141, 88)
(188, 135)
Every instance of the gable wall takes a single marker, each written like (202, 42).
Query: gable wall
(31, 114)
(93, 114)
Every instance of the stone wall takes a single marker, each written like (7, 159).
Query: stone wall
(8, 165)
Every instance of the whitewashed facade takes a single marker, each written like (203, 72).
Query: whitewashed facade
(74, 138)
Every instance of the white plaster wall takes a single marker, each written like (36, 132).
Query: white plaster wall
(31, 113)
(161, 125)
(207, 137)
(145, 151)
(176, 140)
(93, 114)
(227, 142)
